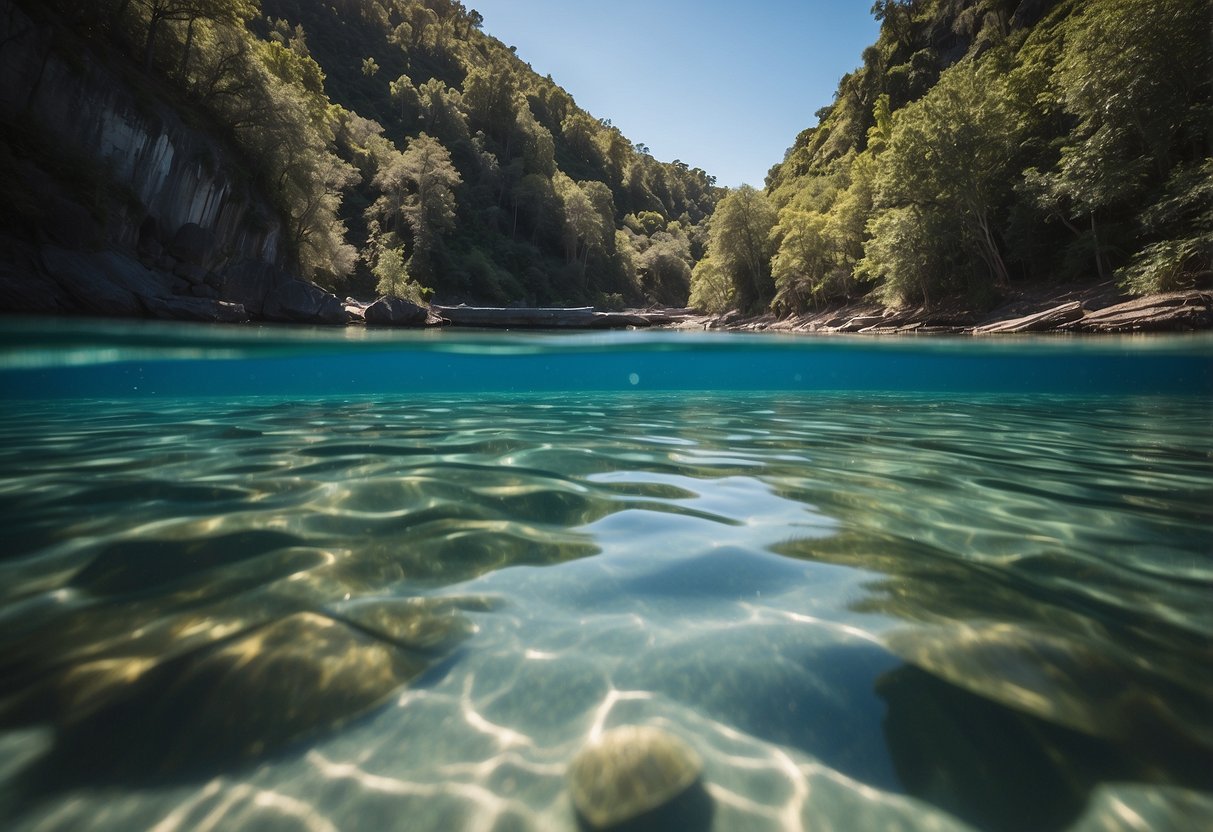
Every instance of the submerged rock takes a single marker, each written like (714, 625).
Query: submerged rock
(408, 623)
(628, 775)
(140, 717)
(1073, 682)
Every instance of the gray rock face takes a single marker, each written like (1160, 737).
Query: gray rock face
(133, 276)
(114, 284)
(182, 308)
(395, 312)
(295, 301)
(70, 224)
(24, 289)
(192, 244)
(248, 283)
(193, 273)
(182, 178)
(83, 277)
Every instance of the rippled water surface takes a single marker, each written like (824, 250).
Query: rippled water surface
(274, 580)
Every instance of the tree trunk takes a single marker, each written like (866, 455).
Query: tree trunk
(1099, 265)
(149, 46)
(185, 55)
(993, 257)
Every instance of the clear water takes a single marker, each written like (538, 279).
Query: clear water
(337, 580)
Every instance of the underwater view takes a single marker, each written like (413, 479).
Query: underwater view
(308, 579)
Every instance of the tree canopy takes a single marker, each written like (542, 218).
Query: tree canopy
(408, 151)
(980, 143)
(984, 143)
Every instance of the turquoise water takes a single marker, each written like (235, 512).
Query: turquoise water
(338, 580)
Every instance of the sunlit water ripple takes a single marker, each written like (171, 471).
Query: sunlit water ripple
(864, 610)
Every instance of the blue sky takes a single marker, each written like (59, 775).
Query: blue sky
(724, 86)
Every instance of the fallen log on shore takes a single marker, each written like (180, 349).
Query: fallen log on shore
(1157, 313)
(582, 317)
(1086, 310)
(1038, 322)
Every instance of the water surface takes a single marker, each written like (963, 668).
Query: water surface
(273, 578)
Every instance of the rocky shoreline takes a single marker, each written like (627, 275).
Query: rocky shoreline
(177, 279)
(1079, 308)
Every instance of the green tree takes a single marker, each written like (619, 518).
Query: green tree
(740, 245)
(904, 251)
(492, 99)
(949, 165)
(418, 187)
(405, 94)
(588, 220)
(1137, 75)
(158, 13)
(665, 266)
(712, 290)
(805, 259)
(392, 277)
(442, 113)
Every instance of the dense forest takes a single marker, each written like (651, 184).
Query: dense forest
(411, 154)
(980, 145)
(984, 143)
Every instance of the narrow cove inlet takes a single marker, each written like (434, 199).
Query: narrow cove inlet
(337, 579)
(534, 416)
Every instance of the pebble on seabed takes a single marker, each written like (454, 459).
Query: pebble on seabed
(630, 771)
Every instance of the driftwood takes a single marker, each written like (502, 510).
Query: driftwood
(1157, 313)
(1086, 309)
(583, 317)
(1174, 311)
(1038, 322)
(860, 322)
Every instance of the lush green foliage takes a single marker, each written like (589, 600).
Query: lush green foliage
(985, 142)
(981, 143)
(741, 247)
(408, 149)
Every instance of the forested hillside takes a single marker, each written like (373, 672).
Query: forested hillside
(984, 143)
(411, 154)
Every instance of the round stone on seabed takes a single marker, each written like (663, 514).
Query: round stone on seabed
(629, 772)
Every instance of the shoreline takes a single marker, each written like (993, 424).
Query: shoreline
(1064, 309)
(54, 281)
(1071, 309)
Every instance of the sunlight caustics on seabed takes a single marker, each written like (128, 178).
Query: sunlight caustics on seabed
(327, 580)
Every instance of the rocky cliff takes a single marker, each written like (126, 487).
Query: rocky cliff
(115, 205)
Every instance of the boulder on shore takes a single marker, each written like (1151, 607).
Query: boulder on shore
(192, 244)
(295, 301)
(395, 312)
(248, 283)
(89, 283)
(196, 309)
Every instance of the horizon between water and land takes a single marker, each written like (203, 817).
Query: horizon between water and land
(273, 577)
(335, 578)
